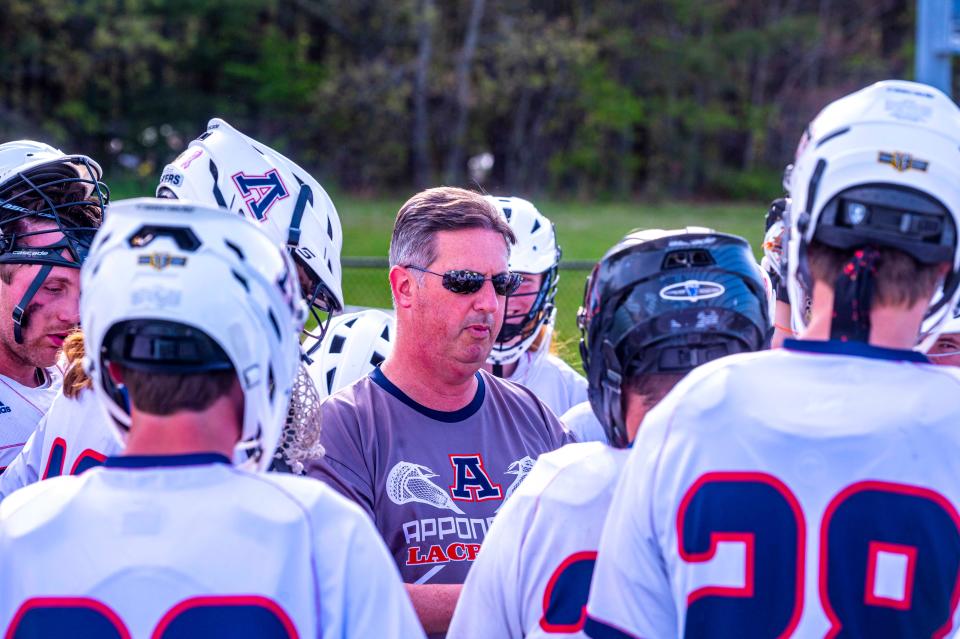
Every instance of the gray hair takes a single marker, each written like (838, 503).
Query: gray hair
(443, 208)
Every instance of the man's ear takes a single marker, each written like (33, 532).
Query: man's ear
(403, 286)
(116, 373)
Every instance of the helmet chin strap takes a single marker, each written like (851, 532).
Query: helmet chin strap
(852, 295)
(19, 312)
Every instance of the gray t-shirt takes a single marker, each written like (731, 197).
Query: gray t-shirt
(432, 480)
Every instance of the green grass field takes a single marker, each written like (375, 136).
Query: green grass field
(584, 230)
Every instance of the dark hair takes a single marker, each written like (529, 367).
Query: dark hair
(652, 387)
(443, 208)
(164, 393)
(900, 279)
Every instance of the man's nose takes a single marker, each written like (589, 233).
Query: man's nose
(486, 299)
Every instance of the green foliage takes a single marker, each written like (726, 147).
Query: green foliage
(612, 99)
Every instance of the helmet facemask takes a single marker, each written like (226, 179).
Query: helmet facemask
(66, 198)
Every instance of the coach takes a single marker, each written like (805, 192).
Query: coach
(431, 444)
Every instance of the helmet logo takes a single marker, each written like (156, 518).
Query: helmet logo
(902, 161)
(189, 160)
(161, 261)
(692, 291)
(261, 192)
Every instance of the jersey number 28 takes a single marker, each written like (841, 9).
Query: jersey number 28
(868, 530)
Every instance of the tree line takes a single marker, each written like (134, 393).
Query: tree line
(591, 98)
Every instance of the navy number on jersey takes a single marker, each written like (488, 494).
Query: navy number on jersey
(762, 513)
(221, 617)
(565, 598)
(896, 546)
(878, 542)
(58, 452)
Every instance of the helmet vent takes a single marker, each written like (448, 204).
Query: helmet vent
(242, 280)
(536, 225)
(350, 323)
(507, 211)
(330, 375)
(275, 324)
(688, 258)
(385, 335)
(236, 249)
(376, 359)
(336, 344)
(835, 134)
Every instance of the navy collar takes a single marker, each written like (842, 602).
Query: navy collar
(855, 349)
(154, 461)
(449, 417)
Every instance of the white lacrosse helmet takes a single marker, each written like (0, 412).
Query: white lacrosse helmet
(879, 166)
(179, 287)
(536, 252)
(354, 345)
(226, 168)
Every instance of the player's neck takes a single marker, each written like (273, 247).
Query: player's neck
(214, 430)
(437, 385)
(635, 408)
(890, 326)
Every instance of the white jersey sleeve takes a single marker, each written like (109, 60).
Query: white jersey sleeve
(583, 423)
(490, 604)
(630, 590)
(532, 576)
(73, 436)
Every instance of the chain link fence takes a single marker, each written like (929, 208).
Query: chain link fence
(365, 285)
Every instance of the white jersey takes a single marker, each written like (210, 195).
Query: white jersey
(552, 380)
(805, 492)
(145, 545)
(582, 422)
(532, 575)
(21, 408)
(73, 436)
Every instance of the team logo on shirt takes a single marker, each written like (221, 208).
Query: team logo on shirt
(408, 482)
(521, 468)
(434, 541)
(470, 481)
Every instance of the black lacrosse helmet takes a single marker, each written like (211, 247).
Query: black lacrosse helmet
(666, 302)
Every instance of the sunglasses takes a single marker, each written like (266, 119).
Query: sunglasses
(468, 282)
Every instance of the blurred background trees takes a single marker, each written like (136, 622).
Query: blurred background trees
(616, 98)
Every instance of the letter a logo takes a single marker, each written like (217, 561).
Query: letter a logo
(260, 192)
(471, 482)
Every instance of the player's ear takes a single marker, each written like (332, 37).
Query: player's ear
(116, 372)
(403, 286)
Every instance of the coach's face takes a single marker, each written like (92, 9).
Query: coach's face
(51, 314)
(462, 327)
